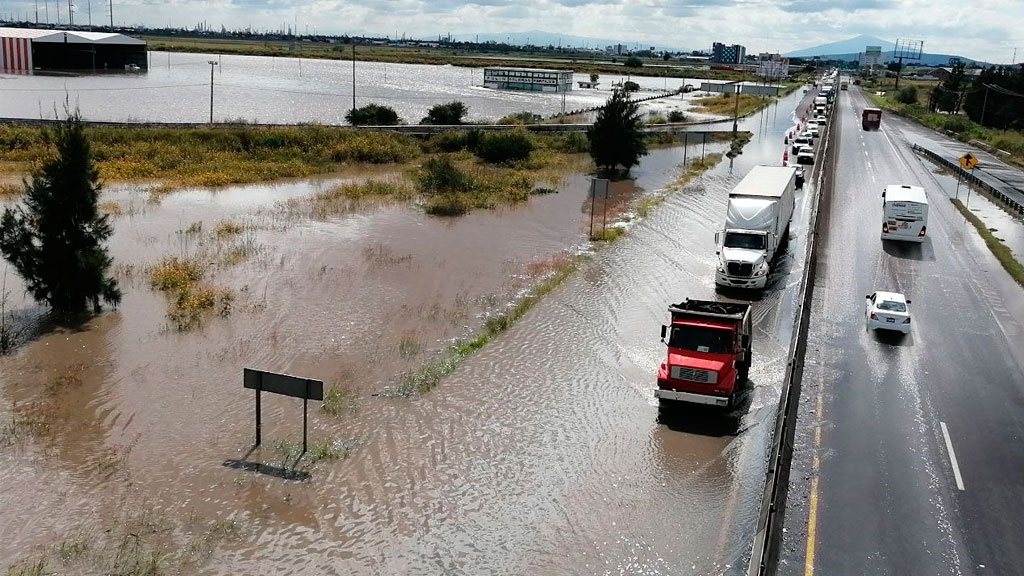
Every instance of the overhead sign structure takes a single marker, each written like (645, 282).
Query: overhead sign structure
(968, 161)
(294, 386)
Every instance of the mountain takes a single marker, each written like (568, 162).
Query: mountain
(850, 50)
(851, 46)
(541, 38)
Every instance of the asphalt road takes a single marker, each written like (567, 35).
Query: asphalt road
(873, 487)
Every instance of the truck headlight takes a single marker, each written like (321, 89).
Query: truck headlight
(762, 269)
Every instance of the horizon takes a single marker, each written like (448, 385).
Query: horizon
(779, 26)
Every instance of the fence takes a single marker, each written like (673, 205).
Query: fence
(968, 175)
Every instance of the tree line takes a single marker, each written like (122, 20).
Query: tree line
(994, 98)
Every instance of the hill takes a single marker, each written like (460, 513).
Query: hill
(541, 38)
(849, 50)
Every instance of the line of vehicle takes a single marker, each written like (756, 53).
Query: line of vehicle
(952, 457)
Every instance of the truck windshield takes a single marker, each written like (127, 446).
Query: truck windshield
(741, 240)
(700, 339)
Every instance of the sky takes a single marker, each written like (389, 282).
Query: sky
(987, 30)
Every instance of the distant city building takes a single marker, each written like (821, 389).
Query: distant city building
(530, 79)
(722, 54)
(871, 58)
(772, 65)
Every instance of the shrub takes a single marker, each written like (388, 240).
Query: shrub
(446, 114)
(456, 141)
(372, 115)
(907, 95)
(676, 116)
(376, 148)
(521, 118)
(956, 124)
(569, 143)
(504, 147)
(440, 176)
(633, 62)
(630, 86)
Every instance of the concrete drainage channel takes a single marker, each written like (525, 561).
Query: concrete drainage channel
(764, 554)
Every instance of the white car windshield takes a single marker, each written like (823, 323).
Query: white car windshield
(892, 306)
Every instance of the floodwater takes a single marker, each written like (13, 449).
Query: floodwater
(290, 90)
(543, 453)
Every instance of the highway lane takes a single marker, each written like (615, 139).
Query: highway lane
(882, 419)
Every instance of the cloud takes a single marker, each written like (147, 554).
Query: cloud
(983, 30)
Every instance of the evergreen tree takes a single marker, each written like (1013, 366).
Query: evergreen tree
(947, 95)
(616, 138)
(55, 239)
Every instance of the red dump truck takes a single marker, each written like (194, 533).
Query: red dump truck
(871, 119)
(708, 352)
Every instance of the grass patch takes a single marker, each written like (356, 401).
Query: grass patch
(10, 190)
(609, 234)
(551, 275)
(228, 229)
(346, 197)
(337, 399)
(1002, 253)
(190, 302)
(70, 377)
(111, 208)
(725, 104)
(409, 346)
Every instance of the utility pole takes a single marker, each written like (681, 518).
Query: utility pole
(212, 63)
(37, 13)
(111, 15)
(89, 8)
(983, 104)
(353, 73)
(71, 13)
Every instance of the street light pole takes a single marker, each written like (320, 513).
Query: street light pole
(983, 105)
(212, 63)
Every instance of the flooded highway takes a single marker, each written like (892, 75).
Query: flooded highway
(543, 453)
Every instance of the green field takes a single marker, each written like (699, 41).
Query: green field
(582, 63)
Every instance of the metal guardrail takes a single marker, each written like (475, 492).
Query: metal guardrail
(764, 554)
(971, 178)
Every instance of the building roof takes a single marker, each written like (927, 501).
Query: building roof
(72, 36)
(528, 69)
(903, 193)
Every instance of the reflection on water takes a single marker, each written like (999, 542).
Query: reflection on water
(543, 453)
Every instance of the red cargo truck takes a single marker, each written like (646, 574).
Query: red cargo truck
(871, 119)
(709, 352)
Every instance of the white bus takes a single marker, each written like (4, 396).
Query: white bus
(905, 213)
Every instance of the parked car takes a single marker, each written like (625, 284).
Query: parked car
(689, 88)
(805, 155)
(887, 311)
(821, 119)
(812, 127)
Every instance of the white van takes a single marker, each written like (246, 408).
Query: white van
(905, 213)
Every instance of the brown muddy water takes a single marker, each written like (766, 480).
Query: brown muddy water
(543, 453)
(141, 417)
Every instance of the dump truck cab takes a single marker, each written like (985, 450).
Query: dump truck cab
(709, 352)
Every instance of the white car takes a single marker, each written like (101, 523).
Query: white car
(887, 311)
(805, 155)
(820, 120)
(801, 140)
(812, 127)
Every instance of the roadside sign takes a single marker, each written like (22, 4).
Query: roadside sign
(598, 188)
(968, 161)
(305, 388)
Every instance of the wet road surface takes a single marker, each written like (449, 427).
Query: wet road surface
(874, 488)
(544, 453)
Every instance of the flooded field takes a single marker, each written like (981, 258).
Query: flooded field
(289, 90)
(542, 453)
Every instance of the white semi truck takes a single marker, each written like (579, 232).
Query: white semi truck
(756, 225)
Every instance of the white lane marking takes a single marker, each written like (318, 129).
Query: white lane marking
(952, 457)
